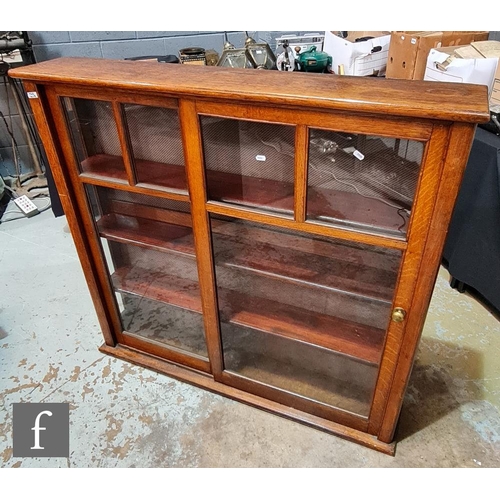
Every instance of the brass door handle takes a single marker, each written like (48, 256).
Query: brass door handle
(398, 314)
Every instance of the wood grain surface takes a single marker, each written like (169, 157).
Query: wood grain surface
(445, 101)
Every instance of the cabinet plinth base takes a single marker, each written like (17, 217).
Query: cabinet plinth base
(205, 381)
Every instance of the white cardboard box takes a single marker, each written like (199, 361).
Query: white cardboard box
(358, 58)
(444, 65)
(491, 48)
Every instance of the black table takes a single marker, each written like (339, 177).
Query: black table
(472, 249)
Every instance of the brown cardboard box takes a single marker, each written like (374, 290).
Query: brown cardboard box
(408, 50)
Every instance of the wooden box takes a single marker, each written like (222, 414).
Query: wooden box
(408, 50)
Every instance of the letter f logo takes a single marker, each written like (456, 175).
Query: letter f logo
(37, 429)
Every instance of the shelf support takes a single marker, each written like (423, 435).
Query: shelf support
(300, 192)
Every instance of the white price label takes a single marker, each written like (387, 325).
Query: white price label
(358, 154)
(32, 95)
(413, 41)
(260, 158)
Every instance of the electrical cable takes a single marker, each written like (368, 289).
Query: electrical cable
(15, 148)
(16, 86)
(398, 208)
(336, 178)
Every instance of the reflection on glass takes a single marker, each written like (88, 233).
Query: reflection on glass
(303, 313)
(249, 163)
(311, 372)
(149, 250)
(163, 323)
(95, 137)
(362, 182)
(156, 142)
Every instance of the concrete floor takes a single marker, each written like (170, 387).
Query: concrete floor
(125, 416)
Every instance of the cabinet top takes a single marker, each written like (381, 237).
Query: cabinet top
(410, 98)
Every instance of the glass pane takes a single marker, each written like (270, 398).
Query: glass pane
(149, 250)
(305, 370)
(362, 182)
(156, 142)
(163, 323)
(249, 163)
(323, 298)
(95, 137)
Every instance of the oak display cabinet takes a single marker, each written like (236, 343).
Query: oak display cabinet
(271, 237)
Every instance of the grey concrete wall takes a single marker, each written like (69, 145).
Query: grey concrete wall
(122, 44)
(7, 165)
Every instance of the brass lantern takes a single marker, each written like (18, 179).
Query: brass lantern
(253, 55)
(232, 57)
(259, 54)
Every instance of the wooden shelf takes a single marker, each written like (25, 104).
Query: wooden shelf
(316, 374)
(104, 166)
(255, 192)
(161, 174)
(320, 264)
(147, 233)
(323, 204)
(165, 288)
(354, 210)
(168, 325)
(336, 334)
(266, 252)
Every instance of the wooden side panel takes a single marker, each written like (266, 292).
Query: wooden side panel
(412, 261)
(459, 144)
(80, 199)
(191, 138)
(45, 127)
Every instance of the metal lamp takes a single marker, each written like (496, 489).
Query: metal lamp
(259, 54)
(253, 55)
(232, 57)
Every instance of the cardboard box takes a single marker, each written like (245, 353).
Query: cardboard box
(491, 49)
(465, 64)
(409, 50)
(363, 58)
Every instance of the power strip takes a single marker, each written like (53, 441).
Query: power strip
(26, 205)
